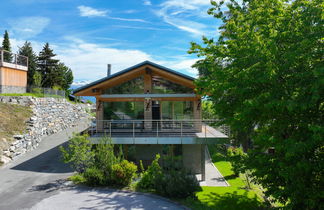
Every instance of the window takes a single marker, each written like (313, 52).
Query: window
(161, 85)
(134, 86)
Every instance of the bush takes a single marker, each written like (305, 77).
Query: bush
(170, 181)
(177, 184)
(122, 173)
(94, 176)
(149, 177)
(78, 153)
(77, 179)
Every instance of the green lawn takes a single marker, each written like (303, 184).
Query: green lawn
(236, 196)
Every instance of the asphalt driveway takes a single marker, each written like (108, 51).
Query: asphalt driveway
(37, 180)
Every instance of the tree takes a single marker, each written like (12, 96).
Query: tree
(47, 65)
(6, 46)
(264, 75)
(63, 76)
(27, 50)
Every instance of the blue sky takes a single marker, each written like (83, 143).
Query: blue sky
(88, 34)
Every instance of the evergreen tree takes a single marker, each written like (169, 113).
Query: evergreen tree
(62, 77)
(7, 57)
(47, 66)
(27, 50)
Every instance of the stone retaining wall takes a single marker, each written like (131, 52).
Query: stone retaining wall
(50, 115)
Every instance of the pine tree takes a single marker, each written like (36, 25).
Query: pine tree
(27, 50)
(47, 66)
(7, 57)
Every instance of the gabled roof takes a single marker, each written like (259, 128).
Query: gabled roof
(130, 69)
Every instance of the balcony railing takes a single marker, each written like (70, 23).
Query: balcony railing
(158, 128)
(12, 60)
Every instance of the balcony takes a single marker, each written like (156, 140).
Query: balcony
(158, 131)
(12, 60)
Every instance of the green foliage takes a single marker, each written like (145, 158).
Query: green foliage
(177, 184)
(98, 166)
(47, 65)
(77, 179)
(122, 173)
(264, 75)
(237, 157)
(141, 167)
(6, 46)
(78, 153)
(170, 181)
(94, 176)
(37, 79)
(27, 50)
(150, 176)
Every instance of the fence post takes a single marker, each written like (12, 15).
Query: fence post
(181, 131)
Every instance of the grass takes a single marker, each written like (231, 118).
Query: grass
(236, 196)
(13, 118)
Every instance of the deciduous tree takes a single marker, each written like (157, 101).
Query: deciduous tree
(264, 75)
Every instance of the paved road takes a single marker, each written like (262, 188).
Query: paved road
(36, 180)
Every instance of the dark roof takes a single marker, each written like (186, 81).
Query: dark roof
(130, 69)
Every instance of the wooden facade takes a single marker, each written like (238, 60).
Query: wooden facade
(13, 77)
(147, 71)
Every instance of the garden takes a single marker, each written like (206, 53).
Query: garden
(104, 165)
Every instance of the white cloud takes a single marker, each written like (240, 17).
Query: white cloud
(180, 14)
(128, 19)
(88, 61)
(147, 2)
(91, 12)
(183, 65)
(28, 27)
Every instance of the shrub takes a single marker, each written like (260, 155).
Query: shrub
(104, 155)
(94, 176)
(77, 179)
(122, 173)
(149, 177)
(78, 153)
(171, 180)
(177, 184)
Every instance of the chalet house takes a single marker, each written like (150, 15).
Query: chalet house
(152, 109)
(13, 72)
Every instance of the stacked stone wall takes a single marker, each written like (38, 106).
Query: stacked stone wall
(50, 115)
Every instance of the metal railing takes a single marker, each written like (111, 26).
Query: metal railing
(37, 91)
(12, 58)
(155, 128)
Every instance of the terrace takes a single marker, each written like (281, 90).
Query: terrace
(12, 60)
(159, 131)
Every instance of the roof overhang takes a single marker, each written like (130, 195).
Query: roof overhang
(95, 88)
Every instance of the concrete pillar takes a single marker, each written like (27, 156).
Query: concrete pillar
(197, 115)
(203, 160)
(191, 156)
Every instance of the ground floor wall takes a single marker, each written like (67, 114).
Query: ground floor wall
(193, 155)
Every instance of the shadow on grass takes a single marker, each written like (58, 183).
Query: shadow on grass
(228, 201)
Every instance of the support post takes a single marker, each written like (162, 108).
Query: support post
(203, 169)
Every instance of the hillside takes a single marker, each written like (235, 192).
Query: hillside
(12, 121)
